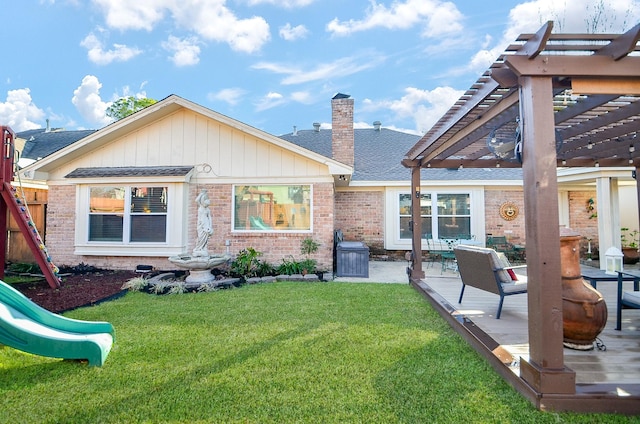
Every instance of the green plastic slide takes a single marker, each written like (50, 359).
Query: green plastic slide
(26, 326)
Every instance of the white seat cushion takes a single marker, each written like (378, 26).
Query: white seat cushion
(631, 298)
(515, 286)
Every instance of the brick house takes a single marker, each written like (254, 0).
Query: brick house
(374, 206)
(117, 196)
(124, 195)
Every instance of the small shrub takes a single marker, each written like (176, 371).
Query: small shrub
(309, 247)
(160, 287)
(24, 268)
(205, 288)
(135, 284)
(264, 269)
(247, 264)
(289, 267)
(308, 266)
(177, 287)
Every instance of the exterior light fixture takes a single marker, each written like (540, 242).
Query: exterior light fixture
(613, 257)
(510, 148)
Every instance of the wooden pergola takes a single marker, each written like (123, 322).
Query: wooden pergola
(550, 101)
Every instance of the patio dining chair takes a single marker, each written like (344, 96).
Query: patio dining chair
(500, 244)
(443, 250)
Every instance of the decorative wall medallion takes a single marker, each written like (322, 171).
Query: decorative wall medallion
(508, 211)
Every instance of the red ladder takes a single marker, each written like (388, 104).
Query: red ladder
(10, 201)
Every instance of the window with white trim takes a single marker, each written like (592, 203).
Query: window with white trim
(443, 215)
(128, 214)
(272, 208)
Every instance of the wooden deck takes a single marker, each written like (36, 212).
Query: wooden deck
(613, 370)
(619, 363)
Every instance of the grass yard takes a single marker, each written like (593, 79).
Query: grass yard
(270, 353)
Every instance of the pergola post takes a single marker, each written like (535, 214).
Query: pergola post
(637, 175)
(608, 215)
(416, 226)
(545, 370)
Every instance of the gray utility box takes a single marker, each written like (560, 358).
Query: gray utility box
(352, 259)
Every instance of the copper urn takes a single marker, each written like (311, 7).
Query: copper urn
(584, 311)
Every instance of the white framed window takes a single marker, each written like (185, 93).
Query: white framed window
(272, 208)
(128, 214)
(139, 219)
(443, 215)
(456, 213)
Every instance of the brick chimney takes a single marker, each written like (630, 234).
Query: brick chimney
(342, 128)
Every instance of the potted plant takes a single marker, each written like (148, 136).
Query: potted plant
(629, 242)
(309, 247)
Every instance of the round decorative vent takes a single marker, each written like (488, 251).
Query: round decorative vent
(508, 211)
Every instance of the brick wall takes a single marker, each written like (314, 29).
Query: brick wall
(582, 221)
(342, 135)
(61, 232)
(579, 217)
(360, 216)
(495, 224)
(276, 247)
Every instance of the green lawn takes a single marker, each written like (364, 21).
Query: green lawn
(270, 353)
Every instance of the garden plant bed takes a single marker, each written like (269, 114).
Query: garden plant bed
(86, 289)
(76, 290)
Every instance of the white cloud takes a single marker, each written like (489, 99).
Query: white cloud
(186, 52)
(437, 18)
(269, 101)
(303, 97)
(86, 99)
(127, 14)
(230, 96)
(290, 33)
(424, 107)
(99, 56)
(288, 4)
(573, 16)
(211, 20)
(19, 112)
(569, 16)
(339, 68)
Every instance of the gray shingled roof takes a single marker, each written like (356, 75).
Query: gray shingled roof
(41, 143)
(378, 155)
(130, 171)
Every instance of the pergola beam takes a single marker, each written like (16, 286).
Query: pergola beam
(574, 66)
(622, 45)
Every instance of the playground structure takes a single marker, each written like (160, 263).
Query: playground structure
(25, 325)
(10, 201)
(30, 328)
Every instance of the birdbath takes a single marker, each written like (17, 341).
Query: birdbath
(199, 262)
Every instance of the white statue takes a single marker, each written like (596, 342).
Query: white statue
(204, 225)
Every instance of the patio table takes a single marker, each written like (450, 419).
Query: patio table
(596, 274)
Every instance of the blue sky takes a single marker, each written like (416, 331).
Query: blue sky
(272, 64)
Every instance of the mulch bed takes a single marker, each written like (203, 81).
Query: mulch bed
(76, 290)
